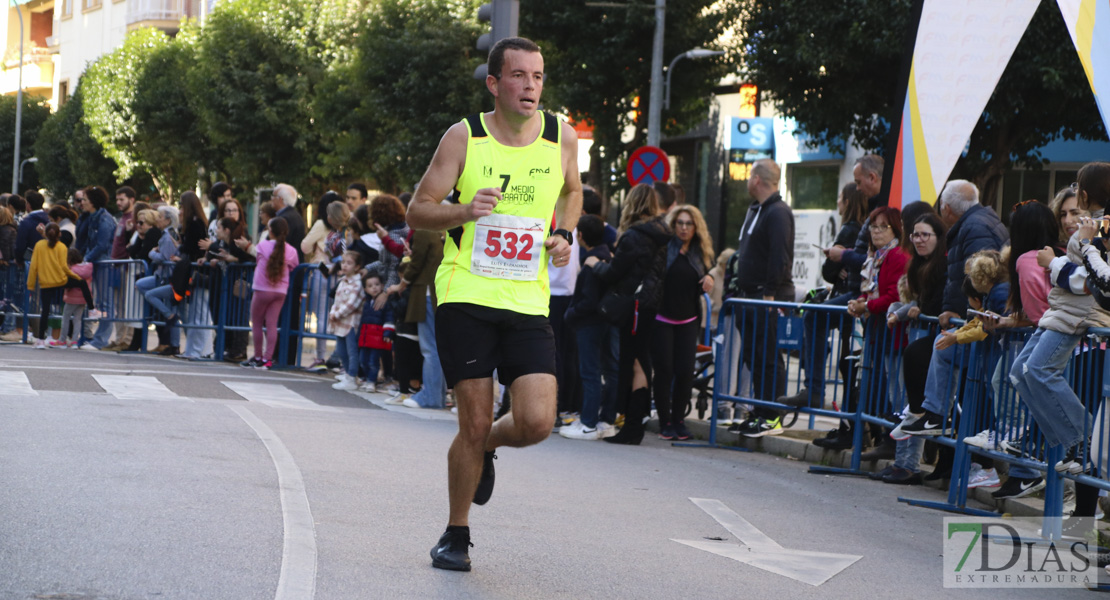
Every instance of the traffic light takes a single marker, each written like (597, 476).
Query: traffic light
(503, 16)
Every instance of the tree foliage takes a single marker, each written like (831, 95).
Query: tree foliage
(836, 67)
(110, 84)
(168, 138)
(35, 113)
(408, 81)
(69, 158)
(598, 62)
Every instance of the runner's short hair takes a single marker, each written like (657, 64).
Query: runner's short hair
(497, 54)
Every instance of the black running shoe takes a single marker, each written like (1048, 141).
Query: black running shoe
(929, 424)
(485, 484)
(1016, 487)
(1075, 462)
(452, 552)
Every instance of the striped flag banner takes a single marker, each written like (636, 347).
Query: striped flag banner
(1089, 25)
(961, 49)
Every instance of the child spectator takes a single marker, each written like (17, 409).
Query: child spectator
(598, 341)
(276, 259)
(343, 319)
(74, 307)
(50, 271)
(375, 331)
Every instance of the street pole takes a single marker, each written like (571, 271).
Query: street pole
(655, 103)
(18, 106)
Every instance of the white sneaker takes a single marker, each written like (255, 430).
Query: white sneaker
(605, 430)
(347, 385)
(986, 439)
(94, 315)
(39, 345)
(368, 387)
(397, 400)
(89, 347)
(342, 376)
(983, 478)
(409, 402)
(578, 431)
(897, 435)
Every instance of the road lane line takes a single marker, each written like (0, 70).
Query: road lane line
(232, 373)
(735, 524)
(15, 383)
(135, 387)
(298, 554)
(271, 394)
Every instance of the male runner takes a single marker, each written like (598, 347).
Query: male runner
(511, 170)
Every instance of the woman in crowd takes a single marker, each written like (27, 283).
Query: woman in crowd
(314, 247)
(675, 339)
(1033, 226)
(276, 260)
(146, 238)
(217, 196)
(222, 253)
(364, 236)
(66, 218)
(194, 240)
(158, 289)
(1065, 206)
(8, 285)
(924, 282)
(632, 296)
(851, 204)
(387, 216)
(885, 265)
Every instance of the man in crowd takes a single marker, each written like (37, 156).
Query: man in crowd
(762, 270)
(101, 231)
(356, 196)
(972, 227)
(125, 227)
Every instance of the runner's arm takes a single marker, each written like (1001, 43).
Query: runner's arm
(425, 210)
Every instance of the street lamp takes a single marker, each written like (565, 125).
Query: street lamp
(18, 105)
(32, 160)
(695, 53)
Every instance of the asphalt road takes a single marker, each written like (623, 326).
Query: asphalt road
(143, 477)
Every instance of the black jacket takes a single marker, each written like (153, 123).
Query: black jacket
(587, 291)
(765, 254)
(830, 270)
(978, 229)
(640, 259)
(296, 229)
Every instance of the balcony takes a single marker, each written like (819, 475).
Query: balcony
(164, 14)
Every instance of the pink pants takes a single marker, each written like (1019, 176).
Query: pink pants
(266, 310)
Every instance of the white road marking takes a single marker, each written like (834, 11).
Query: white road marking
(275, 395)
(760, 551)
(298, 555)
(428, 414)
(232, 373)
(15, 383)
(136, 387)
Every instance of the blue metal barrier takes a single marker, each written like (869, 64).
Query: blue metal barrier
(308, 302)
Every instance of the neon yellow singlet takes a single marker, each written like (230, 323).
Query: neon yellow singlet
(509, 268)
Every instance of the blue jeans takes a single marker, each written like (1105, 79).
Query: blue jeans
(434, 392)
(346, 350)
(160, 298)
(815, 341)
(598, 345)
(938, 383)
(907, 453)
(368, 360)
(1038, 375)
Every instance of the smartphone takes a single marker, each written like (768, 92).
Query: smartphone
(985, 315)
(819, 248)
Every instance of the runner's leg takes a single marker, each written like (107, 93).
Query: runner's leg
(464, 459)
(529, 420)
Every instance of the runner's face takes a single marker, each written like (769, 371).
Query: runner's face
(521, 83)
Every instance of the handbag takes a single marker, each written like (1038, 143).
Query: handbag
(239, 289)
(616, 308)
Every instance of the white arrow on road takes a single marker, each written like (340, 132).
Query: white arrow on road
(760, 551)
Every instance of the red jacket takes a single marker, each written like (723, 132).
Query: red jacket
(892, 269)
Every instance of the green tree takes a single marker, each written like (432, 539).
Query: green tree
(258, 63)
(836, 67)
(168, 137)
(598, 63)
(409, 79)
(35, 113)
(111, 84)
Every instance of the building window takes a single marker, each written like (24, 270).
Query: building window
(1041, 185)
(67, 9)
(87, 5)
(63, 93)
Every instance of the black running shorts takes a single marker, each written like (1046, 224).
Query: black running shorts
(474, 340)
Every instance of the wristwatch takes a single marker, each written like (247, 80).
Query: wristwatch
(1085, 242)
(564, 233)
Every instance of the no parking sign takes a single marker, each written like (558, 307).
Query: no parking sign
(648, 164)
